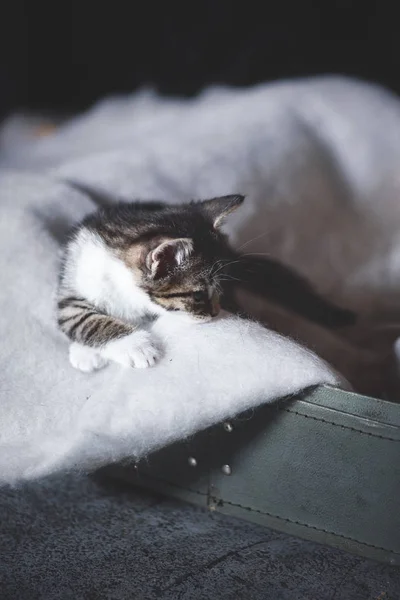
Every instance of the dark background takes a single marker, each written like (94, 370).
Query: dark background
(63, 56)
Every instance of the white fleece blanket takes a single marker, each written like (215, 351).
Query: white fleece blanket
(319, 162)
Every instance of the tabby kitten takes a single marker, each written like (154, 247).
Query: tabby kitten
(128, 263)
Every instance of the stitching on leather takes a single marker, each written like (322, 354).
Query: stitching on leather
(287, 520)
(268, 514)
(216, 499)
(375, 435)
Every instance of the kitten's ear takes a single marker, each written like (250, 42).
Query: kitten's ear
(168, 255)
(219, 208)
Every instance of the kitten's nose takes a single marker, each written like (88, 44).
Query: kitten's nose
(215, 305)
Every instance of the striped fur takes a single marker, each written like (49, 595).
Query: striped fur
(82, 322)
(128, 263)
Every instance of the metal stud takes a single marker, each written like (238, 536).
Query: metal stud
(228, 427)
(226, 470)
(192, 461)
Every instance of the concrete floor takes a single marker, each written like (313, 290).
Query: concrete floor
(89, 538)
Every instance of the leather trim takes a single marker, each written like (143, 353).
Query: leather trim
(339, 535)
(360, 431)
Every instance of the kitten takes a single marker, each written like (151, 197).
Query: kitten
(128, 263)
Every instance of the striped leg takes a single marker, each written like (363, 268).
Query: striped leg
(84, 323)
(97, 337)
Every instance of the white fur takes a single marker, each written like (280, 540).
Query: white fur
(86, 359)
(139, 349)
(95, 273)
(319, 163)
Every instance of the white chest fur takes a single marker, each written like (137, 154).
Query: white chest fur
(95, 273)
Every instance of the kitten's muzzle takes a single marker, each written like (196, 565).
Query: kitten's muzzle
(210, 311)
(215, 305)
(215, 309)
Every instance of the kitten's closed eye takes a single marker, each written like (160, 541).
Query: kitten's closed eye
(130, 261)
(199, 296)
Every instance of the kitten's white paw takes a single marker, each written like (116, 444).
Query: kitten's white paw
(139, 349)
(85, 359)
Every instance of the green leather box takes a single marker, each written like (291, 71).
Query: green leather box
(324, 466)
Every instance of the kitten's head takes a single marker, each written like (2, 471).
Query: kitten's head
(181, 261)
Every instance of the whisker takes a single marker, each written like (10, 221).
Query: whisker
(256, 254)
(216, 264)
(229, 278)
(253, 240)
(232, 262)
